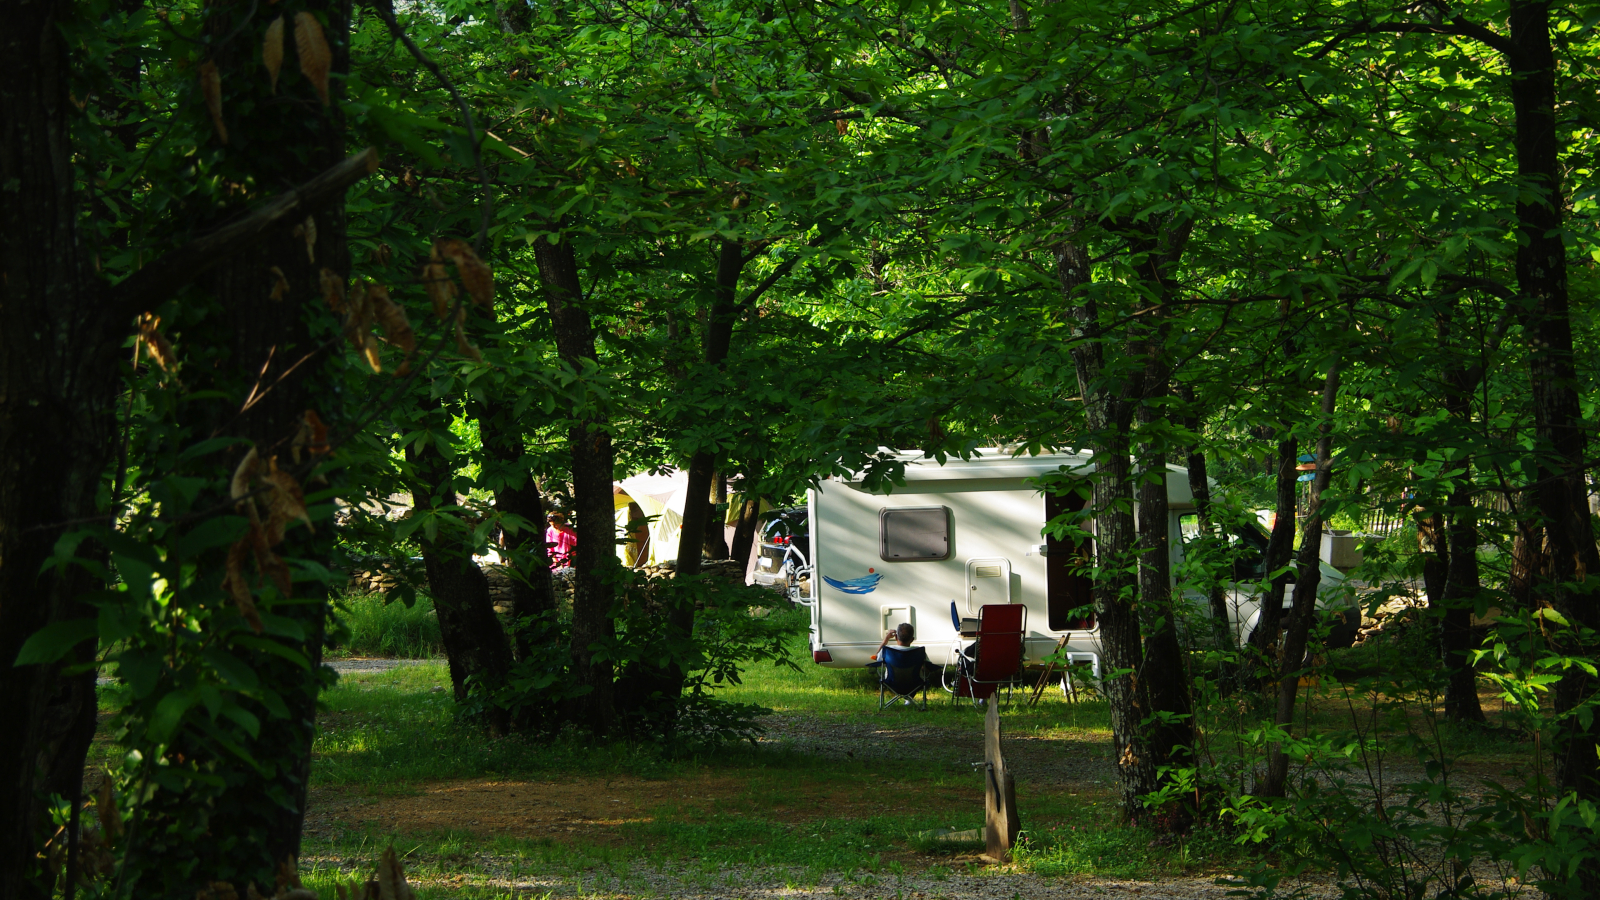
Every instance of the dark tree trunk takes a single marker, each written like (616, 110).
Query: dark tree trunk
(516, 493)
(1200, 489)
(593, 469)
(1307, 578)
(275, 368)
(1280, 546)
(1164, 679)
(1460, 597)
(1122, 653)
(716, 544)
(1541, 266)
(744, 532)
(474, 643)
(57, 419)
(1433, 543)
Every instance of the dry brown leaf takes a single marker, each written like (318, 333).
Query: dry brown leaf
(211, 90)
(280, 284)
(288, 877)
(243, 474)
(465, 346)
(333, 290)
(392, 319)
(475, 276)
(237, 586)
(285, 502)
(312, 436)
(315, 57)
(160, 350)
(441, 290)
(308, 230)
(105, 809)
(392, 879)
(370, 349)
(272, 51)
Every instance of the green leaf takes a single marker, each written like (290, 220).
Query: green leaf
(56, 640)
(169, 714)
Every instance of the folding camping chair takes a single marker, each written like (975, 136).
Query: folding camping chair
(995, 657)
(904, 673)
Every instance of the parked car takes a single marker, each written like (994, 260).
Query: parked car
(785, 546)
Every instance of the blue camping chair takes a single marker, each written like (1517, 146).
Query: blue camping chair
(902, 674)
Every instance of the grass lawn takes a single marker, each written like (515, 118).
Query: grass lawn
(838, 790)
(836, 794)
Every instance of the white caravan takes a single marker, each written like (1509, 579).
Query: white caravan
(968, 531)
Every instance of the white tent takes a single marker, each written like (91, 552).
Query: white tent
(662, 498)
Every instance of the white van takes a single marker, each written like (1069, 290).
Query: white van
(967, 531)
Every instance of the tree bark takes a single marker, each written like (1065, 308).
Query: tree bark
(1280, 546)
(57, 421)
(716, 542)
(1200, 489)
(1166, 682)
(593, 469)
(1460, 596)
(516, 493)
(1541, 267)
(744, 532)
(1308, 577)
(474, 643)
(1122, 654)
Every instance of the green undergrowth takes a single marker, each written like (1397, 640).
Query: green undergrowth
(375, 626)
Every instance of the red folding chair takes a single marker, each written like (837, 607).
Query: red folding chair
(995, 657)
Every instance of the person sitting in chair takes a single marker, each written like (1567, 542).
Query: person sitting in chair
(904, 668)
(903, 633)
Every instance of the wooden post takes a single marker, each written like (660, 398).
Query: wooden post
(1001, 822)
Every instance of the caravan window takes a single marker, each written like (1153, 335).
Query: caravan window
(915, 532)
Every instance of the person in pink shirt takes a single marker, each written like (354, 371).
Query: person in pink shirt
(559, 541)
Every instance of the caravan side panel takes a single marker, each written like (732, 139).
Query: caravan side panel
(994, 532)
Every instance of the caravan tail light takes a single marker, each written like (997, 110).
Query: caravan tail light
(821, 656)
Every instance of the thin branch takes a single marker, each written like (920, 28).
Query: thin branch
(385, 10)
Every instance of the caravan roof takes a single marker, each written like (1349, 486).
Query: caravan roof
(993, 463)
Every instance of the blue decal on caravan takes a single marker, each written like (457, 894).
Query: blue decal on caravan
(866, 584)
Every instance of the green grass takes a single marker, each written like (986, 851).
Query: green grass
(387, 732)
(388, 628)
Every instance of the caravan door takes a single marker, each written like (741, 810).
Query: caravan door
(988, 581)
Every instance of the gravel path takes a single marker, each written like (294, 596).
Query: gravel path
(371, 665)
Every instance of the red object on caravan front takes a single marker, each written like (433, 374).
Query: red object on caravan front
(821, 656)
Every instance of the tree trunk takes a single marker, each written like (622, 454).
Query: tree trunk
(716, 543)
(593, 469)
(1200, 489)
(1280, 546)
(516, 493)
(474, 643)
(57, 418)
(1165, 680)
(744, 532)
(1122, 654)
(1309, 575)
(275, 369)
(1460, 597)
(1433, 544)
(1541, 267)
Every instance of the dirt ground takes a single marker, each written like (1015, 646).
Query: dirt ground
(591, 810)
